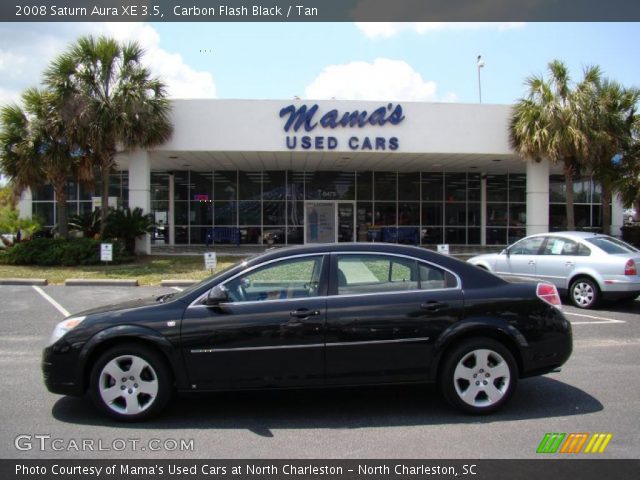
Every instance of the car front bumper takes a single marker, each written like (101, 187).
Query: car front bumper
(60, 369)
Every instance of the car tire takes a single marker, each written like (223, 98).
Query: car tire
(478, 376)
(130, 382)
(584, 293)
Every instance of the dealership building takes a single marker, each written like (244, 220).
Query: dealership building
(257, 172)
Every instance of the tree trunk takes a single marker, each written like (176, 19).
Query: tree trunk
(568, 179)
(606, 210)
(61, 206)
(104, 208)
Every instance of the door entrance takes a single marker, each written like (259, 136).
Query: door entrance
(329, 222)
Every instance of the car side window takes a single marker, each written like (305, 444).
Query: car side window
(527, 246)
(432, 278)
(560, 246)
(285, 279)
(369, 273)
(583, 250)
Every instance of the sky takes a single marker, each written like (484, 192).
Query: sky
(433, 62)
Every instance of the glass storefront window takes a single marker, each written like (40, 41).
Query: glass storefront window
(295, 215)
(274, 213)
(497, 214)
(473, 187)
(42, 193)
(159, 186)
(250, 185)
(432, 213)
(330, 185)
(455, 187)
(409, 186)
(497, 190)
(43, 211)
(517, 188)
(274, 185)
(384, 213)
(384, 186)
(409, 213)
(200, 186)
(181, 185)
(249, 213)
(224, 213)
(201, 213)
(365, 185)
(250, 235)
(295, 185)
(225, 185)
(432, 186)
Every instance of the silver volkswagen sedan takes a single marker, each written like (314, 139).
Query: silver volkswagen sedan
(586, 266)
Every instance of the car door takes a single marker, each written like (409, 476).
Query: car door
(270, 332)
(558, 260)
(384, 314)
(520, 259)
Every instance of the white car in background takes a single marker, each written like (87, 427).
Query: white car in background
(587, 267)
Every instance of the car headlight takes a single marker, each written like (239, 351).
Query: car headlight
(63, 327)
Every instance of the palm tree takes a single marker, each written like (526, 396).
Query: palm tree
(35, 148)
(110, 101)
(609, 112)
(545, 124)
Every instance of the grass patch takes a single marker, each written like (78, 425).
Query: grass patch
(148, 270)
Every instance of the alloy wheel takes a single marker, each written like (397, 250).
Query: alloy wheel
(482, 378)
(128, 385)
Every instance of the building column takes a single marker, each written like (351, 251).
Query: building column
(537, 196)
(171, 214)
(483, 209)
(25, 204)
(617, 215)
(140, 191)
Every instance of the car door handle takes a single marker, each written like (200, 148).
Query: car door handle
(304, 313)
(569, 264)
(433, 306)
(532, 262)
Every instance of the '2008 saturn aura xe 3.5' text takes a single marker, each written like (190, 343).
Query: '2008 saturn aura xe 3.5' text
(315, 316)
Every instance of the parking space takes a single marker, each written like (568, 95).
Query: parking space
(594, 392)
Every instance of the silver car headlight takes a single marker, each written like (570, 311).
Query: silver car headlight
(63, 327)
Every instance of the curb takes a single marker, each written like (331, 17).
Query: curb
(23, 281)
(177, 283)
(100, 282)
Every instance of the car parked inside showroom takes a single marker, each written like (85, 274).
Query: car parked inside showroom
(316, 316)
(587, 267)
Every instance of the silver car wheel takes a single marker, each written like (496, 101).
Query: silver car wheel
(583, 294)
(481, 378)
(128, 385)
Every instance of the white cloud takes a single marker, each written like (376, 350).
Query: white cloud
(384, 79)
(390, 29)
(27, 48)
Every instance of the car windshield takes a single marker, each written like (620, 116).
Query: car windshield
(612, 245)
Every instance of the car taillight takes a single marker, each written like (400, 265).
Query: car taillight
(630, 268)
(548, 293)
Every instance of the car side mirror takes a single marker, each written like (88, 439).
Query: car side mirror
(216, 296)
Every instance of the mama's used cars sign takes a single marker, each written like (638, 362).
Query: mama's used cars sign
(307, 119)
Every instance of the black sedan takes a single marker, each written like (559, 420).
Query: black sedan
(312, 316)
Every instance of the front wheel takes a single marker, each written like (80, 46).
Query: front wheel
(478, 376)
(584, 293)
(130, 382)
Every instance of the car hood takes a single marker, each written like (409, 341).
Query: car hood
(122, 306)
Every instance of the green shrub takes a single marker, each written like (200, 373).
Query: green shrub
(49, 251)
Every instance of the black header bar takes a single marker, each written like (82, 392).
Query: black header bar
(319, 10)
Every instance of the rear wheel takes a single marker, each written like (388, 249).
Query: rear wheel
(130, 382)
(478, 376)
(584, 293)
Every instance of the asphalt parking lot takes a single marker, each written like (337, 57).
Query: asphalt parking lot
(597, 391)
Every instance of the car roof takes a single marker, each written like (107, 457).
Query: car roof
(570, 234)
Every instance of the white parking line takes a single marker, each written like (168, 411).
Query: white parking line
(599, 320)
(178, 288)
(56, 305)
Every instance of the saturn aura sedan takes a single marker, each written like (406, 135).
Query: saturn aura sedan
(316, 316)
(587, 267)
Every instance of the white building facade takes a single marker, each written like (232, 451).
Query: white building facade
(250, 172)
